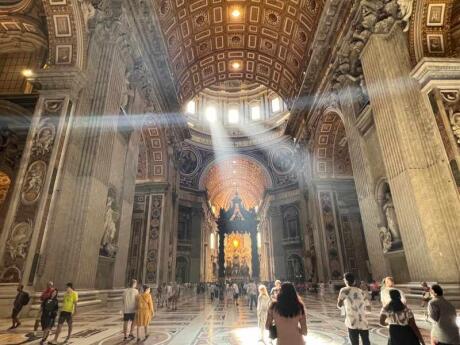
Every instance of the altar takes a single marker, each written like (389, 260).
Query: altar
(238, 258)
(238, 252)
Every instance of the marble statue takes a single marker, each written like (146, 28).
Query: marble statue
(18, 242)
(44, 139)
(108, 247)
(386, 239)
(87, 10)
(390, 215)
(406, 7)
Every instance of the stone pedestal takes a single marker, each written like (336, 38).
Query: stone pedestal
(425, 197)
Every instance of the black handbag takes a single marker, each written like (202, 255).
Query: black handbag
(272, 332)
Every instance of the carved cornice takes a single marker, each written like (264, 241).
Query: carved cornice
(59, 80)
(153, 49)
(333, 13)
(429, 72)
(365, 120)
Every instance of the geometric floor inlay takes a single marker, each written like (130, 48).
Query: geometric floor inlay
(200, 322)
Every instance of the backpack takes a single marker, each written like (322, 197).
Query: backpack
(25, 298)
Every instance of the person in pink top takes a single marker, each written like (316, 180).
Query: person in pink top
(288, 315)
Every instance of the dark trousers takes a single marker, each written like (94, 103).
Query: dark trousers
(354, 335)
(252, 300)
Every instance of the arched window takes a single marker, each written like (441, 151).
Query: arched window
(191, 107)
(233, 116)
(211, 113)
(276, 104)
(255, 112)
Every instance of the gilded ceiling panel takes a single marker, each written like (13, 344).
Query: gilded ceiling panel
(210, 41)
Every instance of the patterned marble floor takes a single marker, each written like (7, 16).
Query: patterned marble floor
(200, 322)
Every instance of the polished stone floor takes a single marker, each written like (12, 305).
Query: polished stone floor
(200, 322)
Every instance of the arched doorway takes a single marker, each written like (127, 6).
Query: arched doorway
(182, 270)
(295, 269)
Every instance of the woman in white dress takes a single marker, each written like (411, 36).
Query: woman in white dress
(263, 303)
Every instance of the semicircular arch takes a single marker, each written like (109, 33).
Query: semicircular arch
(222, 178)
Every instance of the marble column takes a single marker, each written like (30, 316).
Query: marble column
(425, 196)
(34, 192)
(279, 261)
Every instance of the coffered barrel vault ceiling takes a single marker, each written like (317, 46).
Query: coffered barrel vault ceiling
(236, 174)
(265, 41)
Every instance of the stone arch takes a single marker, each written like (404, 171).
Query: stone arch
(153, 152)
(241, 173)
(434, 29)
(67, 32)
(331, 158)
(182, 269)
(295, 268)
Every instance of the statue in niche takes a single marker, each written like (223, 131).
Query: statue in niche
(390, 215)
(406, 7)
(188, 162)
(108, 246)
(88, 11)
(386, 239)
(309, 267)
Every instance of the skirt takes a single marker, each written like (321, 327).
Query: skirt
(47, 322)
(402, 335)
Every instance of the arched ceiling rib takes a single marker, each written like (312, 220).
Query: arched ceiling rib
(236, 174)
(269, 40)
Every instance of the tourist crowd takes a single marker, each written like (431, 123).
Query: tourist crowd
(280, 311)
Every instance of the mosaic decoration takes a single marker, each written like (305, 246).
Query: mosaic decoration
(38, 168)
(432, 29)
(188, 162)
(156, 210)
(283, 160)
(331, 154)
(329, 226)
(152, 152)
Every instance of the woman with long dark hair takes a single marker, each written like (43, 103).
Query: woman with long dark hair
(403, 330)
(288, 314)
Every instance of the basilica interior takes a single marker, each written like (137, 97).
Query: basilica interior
(196, 141)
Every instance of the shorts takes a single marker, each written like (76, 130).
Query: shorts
(235, 296)
(64, 316)
(128, 316)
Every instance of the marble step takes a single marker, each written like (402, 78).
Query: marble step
(414, 291)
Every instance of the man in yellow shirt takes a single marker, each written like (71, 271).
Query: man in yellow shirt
(69, 306)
